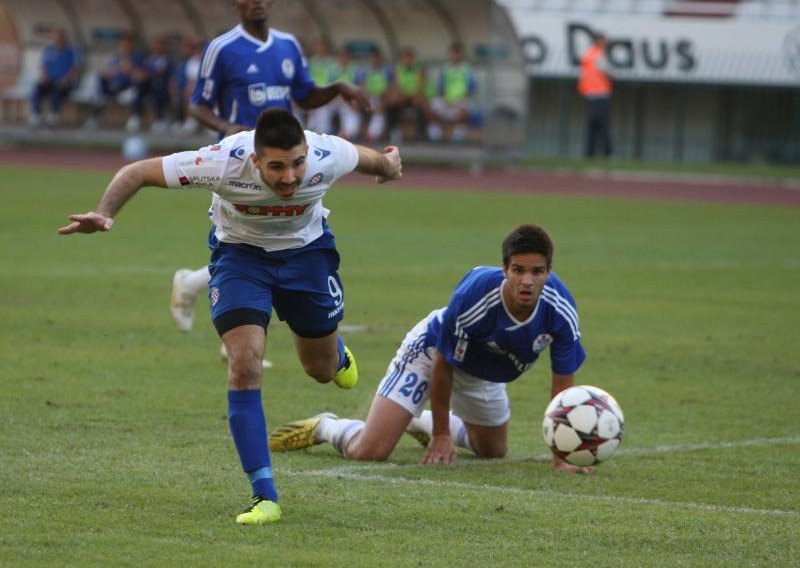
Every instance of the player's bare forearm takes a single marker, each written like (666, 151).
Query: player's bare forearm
(560, 383)
(208, 118)
(441, 390)
(441, 448)
(319, 96)
(123, 186)
(127, 182)
(385, 167)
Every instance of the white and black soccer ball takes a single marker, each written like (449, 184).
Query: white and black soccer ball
(583, 425)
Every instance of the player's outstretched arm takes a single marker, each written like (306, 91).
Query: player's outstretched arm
(208, 118)
(123, 186)
(440, 448)
(385, 167)
(352, 95)
(560, 383)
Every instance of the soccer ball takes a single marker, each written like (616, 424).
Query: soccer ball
(135, 148)
(583, 425)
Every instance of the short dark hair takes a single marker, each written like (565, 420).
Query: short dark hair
(277, 128)
(525, 239)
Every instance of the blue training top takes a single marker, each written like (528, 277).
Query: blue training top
(58, 62)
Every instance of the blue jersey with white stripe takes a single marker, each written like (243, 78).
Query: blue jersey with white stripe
(241, 76)
(477, 333)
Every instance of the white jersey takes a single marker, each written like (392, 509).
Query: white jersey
(243, 208)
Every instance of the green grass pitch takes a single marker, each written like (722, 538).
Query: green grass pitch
(114, 447)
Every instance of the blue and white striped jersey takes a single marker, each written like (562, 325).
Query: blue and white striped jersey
(477, 333)
(241, 76)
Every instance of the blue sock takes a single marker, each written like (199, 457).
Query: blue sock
(340, 346)
(249, 429)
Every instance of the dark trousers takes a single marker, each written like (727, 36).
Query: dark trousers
(157, 92)
(49, 89)
(598, 128)
(403, 108)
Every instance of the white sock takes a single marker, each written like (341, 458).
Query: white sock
(458, 431)
(197, 281)
(338, 432)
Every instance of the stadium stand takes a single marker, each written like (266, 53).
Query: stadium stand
(716, 99)
(96, 25)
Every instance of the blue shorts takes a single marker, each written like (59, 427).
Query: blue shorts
(301, 284)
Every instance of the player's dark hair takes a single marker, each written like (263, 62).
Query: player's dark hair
(277, 128)
(524, 239)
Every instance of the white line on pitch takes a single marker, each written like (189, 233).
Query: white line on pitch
(342, 472)
(546, 457)
(712, 446)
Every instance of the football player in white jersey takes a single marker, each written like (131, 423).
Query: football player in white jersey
(244, 71)
(271, 247)
(497, 323)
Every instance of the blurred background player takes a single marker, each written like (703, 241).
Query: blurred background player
(153, 85)
(321, 70)
(269, 249)
(376, 78)
(343, 113)
(188, 68)
(452, 103)
(59, 71)
(118, 78)
(497, 323)
(407, 106)
(594, 85)
(248, 69)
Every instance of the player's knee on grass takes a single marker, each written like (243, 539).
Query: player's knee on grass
(492, 452)
(367, 452)
(489, 449)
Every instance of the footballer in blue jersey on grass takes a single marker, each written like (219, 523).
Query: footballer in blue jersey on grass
(496, 325)
(271, 247)
(244, 71)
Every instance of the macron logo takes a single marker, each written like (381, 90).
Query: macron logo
(320, 153)
(252, 69)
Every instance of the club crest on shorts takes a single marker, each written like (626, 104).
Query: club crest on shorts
(214, 296)
(542, 342)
